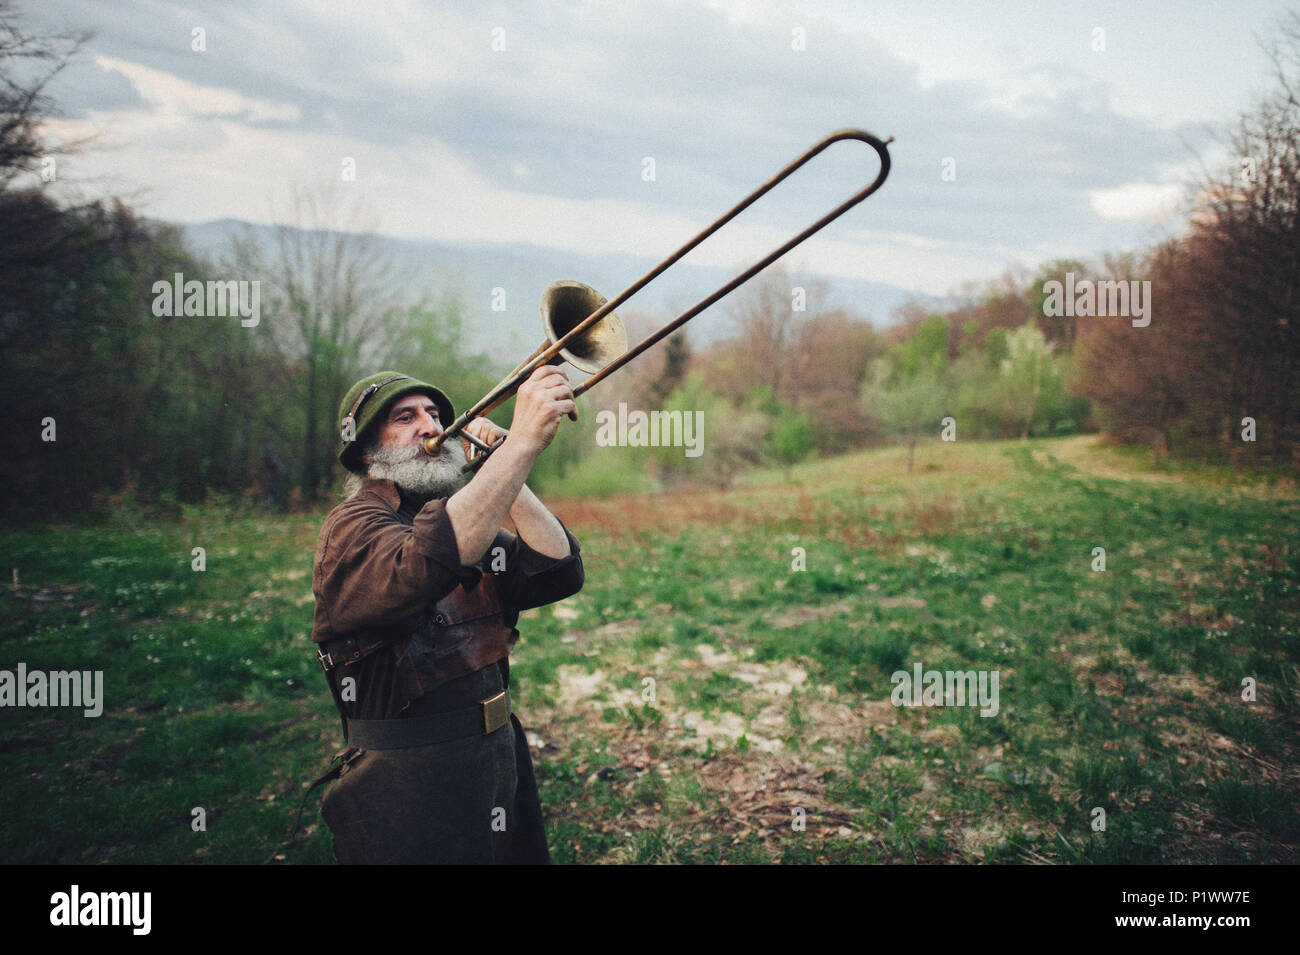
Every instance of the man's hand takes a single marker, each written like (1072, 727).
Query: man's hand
(485, 431)
(540, 403)
(478, 509)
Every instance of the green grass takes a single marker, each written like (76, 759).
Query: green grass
(1119, 689)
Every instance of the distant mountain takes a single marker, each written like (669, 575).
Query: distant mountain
(524, 270)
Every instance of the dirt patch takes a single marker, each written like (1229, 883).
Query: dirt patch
(583, 692)
(776, 680)
(933, 518)
(973, 840)
(634, 515)
(616, 631)
(797, 616)
(945, 734)
(911, 603)
(801, 614)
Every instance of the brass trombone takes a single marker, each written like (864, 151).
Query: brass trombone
(597, 343)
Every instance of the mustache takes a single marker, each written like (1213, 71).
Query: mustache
(411, 468)
(416, 452)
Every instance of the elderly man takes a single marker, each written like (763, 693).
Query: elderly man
(418, 589)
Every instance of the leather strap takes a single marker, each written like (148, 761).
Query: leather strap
(338, 763)
(364, 396)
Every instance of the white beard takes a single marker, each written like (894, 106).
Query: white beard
(417, 473)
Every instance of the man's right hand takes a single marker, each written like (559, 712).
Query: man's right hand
(540, 403)
(478, 509)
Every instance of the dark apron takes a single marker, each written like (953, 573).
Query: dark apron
(462, 802)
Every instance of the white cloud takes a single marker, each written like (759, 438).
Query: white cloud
(176, 98)
(1136, 201)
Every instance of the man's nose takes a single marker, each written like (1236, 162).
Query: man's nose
(429, 426)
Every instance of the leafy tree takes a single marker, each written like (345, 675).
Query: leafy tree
(1028, 375)
(790, 441)
(972, 383)
(677, 358)
(906, 406)
(928, 349)
(734, 434)
(1059, 330)
(996, 348)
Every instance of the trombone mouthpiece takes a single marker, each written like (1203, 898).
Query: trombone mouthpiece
(431, 445)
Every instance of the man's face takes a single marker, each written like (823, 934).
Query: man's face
(410, 420)
(399, 457)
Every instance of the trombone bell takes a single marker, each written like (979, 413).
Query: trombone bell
(564, 306)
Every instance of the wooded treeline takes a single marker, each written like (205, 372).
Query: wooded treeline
(107, 400)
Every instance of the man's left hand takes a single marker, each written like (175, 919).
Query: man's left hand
(485, 431)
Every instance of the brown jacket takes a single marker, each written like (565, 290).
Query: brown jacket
(397, 612)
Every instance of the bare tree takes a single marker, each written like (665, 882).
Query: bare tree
(765, 314)
(335, 309)
(27, 64)
(833, 352)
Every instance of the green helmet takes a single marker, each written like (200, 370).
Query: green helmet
(370, 398)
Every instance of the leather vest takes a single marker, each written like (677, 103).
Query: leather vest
(462, 633)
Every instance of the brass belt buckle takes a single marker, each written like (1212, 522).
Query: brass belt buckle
(496, 712)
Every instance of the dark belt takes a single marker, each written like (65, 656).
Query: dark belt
(482, 718)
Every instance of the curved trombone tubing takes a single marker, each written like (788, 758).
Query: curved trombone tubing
(510, 384)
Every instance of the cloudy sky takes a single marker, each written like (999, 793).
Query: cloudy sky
(1071, 127)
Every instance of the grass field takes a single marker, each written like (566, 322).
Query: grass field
(703, 701)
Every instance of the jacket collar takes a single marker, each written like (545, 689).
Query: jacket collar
(384, 489)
